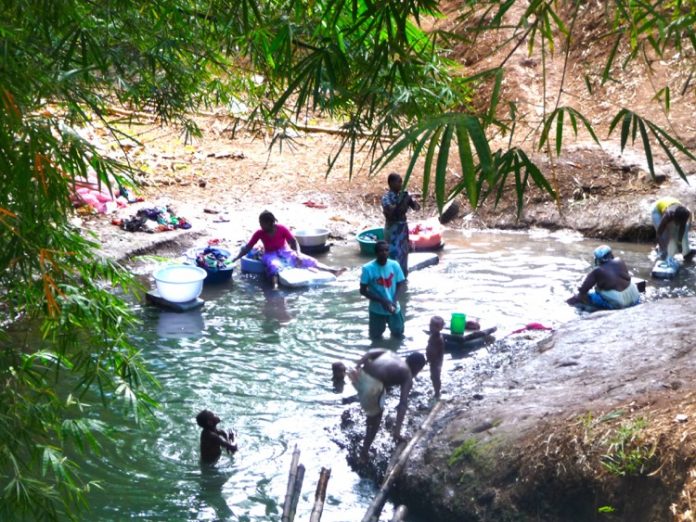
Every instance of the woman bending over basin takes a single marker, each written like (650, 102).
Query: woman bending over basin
(280, 249)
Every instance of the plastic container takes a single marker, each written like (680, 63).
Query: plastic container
(252, 265)
(180, 283)
(312, 237)
(367, 239)
(458, 324)
(218, 275)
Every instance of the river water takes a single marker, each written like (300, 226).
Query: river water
(261, 360)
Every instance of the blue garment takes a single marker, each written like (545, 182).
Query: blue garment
(381, 280)
(396, 229)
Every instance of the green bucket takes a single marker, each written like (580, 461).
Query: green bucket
(458, 324)
(367, 239)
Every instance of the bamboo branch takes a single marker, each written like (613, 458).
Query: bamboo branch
(292, 478)
(320, 495)
(297, 489)
(373, 512)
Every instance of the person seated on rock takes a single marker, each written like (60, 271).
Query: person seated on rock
(671, 220)
(213, 439)
(376, 371)
(614, 288)
(280, 249)
(435, 352)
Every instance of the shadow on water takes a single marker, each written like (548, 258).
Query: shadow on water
(261, 360)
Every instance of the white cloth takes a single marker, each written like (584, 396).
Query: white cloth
(623, 299)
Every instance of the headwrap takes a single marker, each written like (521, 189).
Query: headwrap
(602, 254)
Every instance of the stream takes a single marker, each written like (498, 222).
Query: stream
(261, 360)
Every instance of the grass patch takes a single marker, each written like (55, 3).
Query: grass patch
(628, 454)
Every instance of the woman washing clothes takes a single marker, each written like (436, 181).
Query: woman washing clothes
(280, 249)
(395, 204)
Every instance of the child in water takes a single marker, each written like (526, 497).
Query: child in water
(213, 439)
(435, 352)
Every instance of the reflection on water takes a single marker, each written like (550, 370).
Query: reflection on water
(262, 361)
(175, 325)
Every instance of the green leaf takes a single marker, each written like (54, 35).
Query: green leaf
(441, 168)
(466, 160)
(646, 148)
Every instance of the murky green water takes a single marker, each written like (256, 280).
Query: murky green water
(261, 361)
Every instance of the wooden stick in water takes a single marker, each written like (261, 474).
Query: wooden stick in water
(373, 512)
(297, 490)
(320, 495)
(292, 477)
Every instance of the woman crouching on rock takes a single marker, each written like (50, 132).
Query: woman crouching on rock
(280, 249)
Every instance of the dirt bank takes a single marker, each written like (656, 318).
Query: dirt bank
(581, 425)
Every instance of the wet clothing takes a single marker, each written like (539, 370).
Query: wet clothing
(378, 324)
(370, 393)
(286, 258)
(382, 280)
(672, 229)
(614, 299)
(396, 228)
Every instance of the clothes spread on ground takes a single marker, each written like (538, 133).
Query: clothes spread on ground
(381, 280)
(153, 220)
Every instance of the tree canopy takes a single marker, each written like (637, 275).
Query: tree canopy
(369, 64)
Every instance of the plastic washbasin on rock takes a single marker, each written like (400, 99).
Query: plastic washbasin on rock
(180, 283)
(312, 237)
(367, 239)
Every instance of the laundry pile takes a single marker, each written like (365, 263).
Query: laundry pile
(213, 259)
(153, 220)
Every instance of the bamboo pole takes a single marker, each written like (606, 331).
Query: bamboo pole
(292, 478)
(320, 495)
(373, 512)
(400, 514)
(297, 490)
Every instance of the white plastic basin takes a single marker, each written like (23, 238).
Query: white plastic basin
(312, 236)
(180, 283)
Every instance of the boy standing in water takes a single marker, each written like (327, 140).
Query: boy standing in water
(213, 439)
(435, 352)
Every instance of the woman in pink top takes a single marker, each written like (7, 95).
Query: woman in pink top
(280, 249)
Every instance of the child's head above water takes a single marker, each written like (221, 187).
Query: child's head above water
(206, 419)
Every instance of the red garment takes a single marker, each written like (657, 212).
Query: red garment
(274, 242)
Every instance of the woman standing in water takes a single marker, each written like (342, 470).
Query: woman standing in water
(276, 239)
(395, 204)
